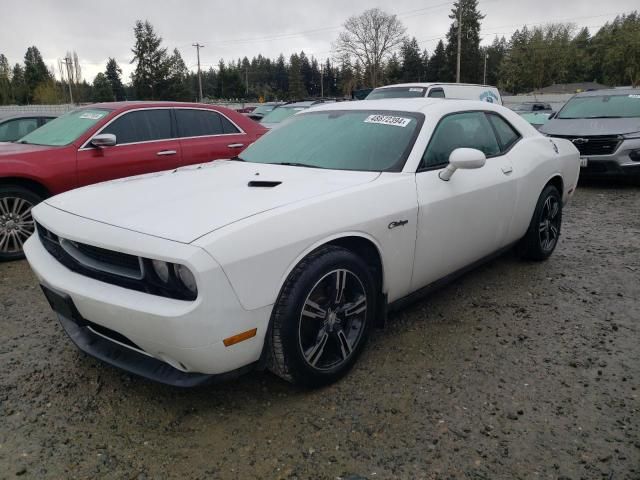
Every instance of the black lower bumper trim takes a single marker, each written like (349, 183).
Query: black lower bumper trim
(122, 357)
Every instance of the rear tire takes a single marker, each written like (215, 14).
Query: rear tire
(544, 230)
(16, 222)
(322, 318)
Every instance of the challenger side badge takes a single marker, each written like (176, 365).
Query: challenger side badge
(555, 147)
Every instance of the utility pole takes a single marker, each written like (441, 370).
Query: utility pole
(459, 40)
(198, 47)
(67, 62)
(484, 81)
(246, 79)
(321, 81)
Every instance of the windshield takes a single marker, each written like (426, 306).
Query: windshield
(282, 113)
(536, 118)
(341, 140)
(396, 92)
(65, 129)
(263, 109)
(604, 106)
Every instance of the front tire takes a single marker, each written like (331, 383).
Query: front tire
(544, 230)
(322, 318)
(16, 222)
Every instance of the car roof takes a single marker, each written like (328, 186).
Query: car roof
(129, 105)
(11, 115)
(610, 91)
(419, 104)
(431, 84)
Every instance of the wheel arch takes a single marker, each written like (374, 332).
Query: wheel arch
(557, 181)
(360, 243)
(28, 183)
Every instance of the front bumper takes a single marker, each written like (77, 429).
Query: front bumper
(120, 352)
(619, 164)
(185, 335)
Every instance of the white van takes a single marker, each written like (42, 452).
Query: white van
(463, 91)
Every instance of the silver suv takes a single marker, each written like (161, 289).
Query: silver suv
(605, 127)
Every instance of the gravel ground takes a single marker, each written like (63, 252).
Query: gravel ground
(515, 371)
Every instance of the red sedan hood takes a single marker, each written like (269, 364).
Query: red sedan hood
(13, 149)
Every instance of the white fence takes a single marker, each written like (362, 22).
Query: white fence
(53, 109)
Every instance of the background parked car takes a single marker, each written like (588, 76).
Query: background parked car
(283, 112)
(537, 119)
(461, 91)
(106, 141)
(605, 127)
(14, 126)
(263, 109)
(527, 107)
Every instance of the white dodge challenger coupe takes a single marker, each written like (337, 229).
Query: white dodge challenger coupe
(287, 256)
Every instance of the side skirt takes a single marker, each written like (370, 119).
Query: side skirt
(438, 284)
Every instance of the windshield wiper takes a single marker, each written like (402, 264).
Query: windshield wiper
(294, 164)
(23, 142)
(605, 116)
(238, 159)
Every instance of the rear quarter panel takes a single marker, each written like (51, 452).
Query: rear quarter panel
(536, 162)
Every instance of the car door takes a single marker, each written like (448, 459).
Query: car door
(145, 142)
(207, 135)
(462, 220)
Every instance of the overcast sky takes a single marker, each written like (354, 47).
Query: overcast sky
(232, 29)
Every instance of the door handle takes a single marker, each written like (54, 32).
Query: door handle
(507, 170)
(163, 153)
(235, 145)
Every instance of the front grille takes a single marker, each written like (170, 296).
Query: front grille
(594, 145)
(117, 259)
(109, 266)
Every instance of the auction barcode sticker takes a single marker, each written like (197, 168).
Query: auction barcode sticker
(92, 116)
(416, 90)
(634, 96)
(388, 120)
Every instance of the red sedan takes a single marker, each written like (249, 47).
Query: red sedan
(105, 141)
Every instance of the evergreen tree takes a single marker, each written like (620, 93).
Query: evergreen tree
(18, 84)
(150, 75)
(102, 89)
(177, 83)
(35, 72)
(297, 89)
(5, 81)
(437, 70)
(412, 70)
(281, 77)
(495, 55)
(471, 64)
(394, 71)
(113, 73)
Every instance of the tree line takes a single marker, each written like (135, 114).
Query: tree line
(372, 50)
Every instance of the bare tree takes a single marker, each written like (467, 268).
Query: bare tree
(370, 37)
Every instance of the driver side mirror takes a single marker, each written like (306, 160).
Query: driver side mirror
(104, 140)
(463, 158)
(553, 115)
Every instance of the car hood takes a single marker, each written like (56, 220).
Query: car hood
(9, 149)
(591, 126)
(187, 203)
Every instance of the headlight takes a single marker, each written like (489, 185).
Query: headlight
(632, 136)
(186, 278)
(169, 280)
(161, 269)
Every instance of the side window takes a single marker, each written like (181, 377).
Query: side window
(16, 129)
(507, 135)
(436, 93)
(460, 130)
(141, 126)
(227, 126)
(198, 123)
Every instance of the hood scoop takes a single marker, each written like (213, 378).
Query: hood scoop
(263, 183)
